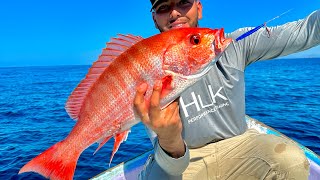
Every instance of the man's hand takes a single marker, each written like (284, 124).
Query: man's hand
(165, 123)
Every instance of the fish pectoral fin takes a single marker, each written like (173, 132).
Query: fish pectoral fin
(119, 138)
(102, 143)
(167, 85)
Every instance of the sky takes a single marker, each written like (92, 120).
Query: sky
(40, 33)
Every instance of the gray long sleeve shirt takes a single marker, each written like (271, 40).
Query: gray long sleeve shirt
(214, 108)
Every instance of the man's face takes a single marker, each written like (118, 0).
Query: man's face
(171, 14)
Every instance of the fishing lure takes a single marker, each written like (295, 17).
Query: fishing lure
(246, 34)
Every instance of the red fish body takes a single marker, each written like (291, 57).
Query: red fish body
(102, 103)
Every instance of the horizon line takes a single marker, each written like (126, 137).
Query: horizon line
(21, 66)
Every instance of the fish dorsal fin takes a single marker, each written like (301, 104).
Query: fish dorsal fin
(114, 48)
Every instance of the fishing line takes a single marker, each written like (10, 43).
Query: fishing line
(244, 35)
(248, 33)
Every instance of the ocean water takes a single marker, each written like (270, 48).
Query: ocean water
(284, 94)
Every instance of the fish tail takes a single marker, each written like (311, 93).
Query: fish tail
(54, 163)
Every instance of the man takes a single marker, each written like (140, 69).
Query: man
(205, 135)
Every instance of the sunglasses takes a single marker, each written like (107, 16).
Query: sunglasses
(167, 6)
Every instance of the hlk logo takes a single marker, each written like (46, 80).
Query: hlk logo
(198, 103)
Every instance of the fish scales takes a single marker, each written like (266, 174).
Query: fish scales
(102, 103)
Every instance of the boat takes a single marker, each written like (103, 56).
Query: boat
(129, 170)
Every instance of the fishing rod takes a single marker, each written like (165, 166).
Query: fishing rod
(246, 34)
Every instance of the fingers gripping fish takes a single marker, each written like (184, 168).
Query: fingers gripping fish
(102, 103)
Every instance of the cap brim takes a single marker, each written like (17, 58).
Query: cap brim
(154, 4)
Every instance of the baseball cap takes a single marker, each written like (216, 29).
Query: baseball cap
(154, 3)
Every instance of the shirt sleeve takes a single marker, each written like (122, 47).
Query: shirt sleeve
(173, 166)
(277, 41)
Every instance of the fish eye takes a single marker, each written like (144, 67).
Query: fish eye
(195, 39)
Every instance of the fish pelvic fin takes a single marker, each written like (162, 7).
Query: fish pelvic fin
(54, 163)
(119, 138)
(102, 143)
(114, 49)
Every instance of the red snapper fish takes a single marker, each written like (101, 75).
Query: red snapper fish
(102, 103)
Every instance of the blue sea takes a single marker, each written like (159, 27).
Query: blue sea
(283, 93)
